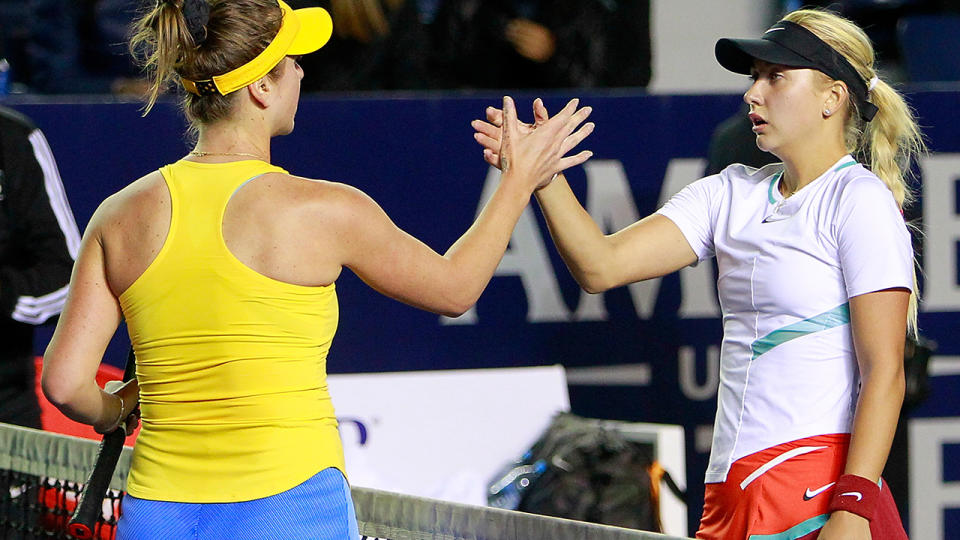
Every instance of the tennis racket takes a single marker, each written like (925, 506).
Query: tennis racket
(90, 502)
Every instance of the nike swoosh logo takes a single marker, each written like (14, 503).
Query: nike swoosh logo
(774, 30)
(856, 494)
(811, 494)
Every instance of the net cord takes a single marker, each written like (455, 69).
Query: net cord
(380, 514)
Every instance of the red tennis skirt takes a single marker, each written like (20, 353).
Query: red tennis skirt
(782, 493)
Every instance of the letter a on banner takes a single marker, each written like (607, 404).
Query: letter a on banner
(527, 258)
(611, 204)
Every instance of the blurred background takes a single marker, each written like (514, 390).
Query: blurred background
(387, 106)
(78, 47)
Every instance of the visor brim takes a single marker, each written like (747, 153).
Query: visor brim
(316, 27)
(737, 55)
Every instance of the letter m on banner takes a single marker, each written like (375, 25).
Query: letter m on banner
(610, 202)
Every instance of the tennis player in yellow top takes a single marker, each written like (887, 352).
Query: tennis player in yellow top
(223, 267)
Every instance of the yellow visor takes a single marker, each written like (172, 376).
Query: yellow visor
(302, 31)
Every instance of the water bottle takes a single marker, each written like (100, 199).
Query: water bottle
(508, 488)
(4, 77)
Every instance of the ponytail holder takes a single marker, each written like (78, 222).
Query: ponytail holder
(197, 15)
(869, 110)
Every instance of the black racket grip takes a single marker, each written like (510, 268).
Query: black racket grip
(90, 504)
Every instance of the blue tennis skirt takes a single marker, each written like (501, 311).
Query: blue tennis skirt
(320, 508)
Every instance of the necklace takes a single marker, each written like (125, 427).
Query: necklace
(200, 153)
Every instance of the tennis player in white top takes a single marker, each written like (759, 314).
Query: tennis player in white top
(816, 283)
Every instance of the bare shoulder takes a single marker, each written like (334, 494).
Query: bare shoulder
(297, 229)
(328, 189)
(334, 200)
(142, 198)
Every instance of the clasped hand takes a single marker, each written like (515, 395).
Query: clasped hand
(540, 147)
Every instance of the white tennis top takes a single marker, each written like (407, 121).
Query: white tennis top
(787, 268)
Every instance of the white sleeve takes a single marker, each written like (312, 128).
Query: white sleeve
(693, 211)
(874, 244)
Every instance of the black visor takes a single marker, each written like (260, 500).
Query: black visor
(792, 45)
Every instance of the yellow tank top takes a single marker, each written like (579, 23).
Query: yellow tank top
(231, 363)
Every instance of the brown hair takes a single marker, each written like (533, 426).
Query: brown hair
(235, 33)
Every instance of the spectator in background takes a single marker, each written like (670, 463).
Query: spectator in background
(38, 242)
(538, 44)
(377, 45)
(13, 37)
(78, 47)
(733, 141)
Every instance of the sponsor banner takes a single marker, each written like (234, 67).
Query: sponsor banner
(442, 434)
(647, 352)
(448, 434)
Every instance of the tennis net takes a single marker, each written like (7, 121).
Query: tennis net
(41, 473)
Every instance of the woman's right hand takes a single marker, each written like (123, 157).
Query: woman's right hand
(536, 153)
(129, 417)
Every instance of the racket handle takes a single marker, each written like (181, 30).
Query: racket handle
(90, 504)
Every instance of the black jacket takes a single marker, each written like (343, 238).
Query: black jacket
(38, 242)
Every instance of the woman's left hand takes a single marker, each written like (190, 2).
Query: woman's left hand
(845, 526)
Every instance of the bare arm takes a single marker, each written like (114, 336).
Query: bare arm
(400, 266)
(88, 322)
(878, 321)
(651, 247)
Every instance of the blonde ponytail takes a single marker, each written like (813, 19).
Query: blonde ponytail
(892, 140)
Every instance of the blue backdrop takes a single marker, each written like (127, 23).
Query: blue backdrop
(415, 155)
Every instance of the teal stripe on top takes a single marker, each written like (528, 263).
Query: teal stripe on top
(797, 531)
(770, 189)
(779, 174)
(845, 165)
(837, 316)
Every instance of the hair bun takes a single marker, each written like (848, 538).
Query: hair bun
(197, 15)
